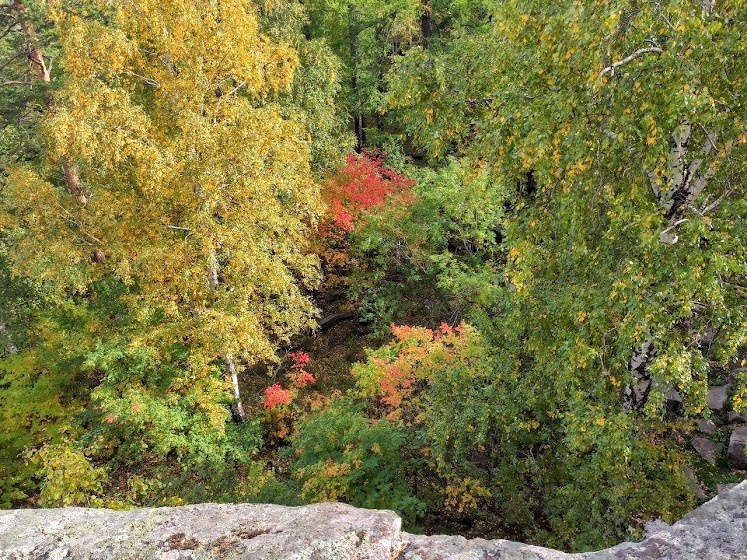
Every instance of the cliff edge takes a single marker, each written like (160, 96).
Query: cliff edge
(715, 531)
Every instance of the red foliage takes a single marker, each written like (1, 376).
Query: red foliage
(276, 395)
(363, 184)
(300, 377)
(300, 359)
(304, 378)
(280, 420)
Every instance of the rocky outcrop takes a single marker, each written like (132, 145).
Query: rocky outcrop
(737, 443)
(706, 449)
(715, 531)
(722, 417)
(717, 397)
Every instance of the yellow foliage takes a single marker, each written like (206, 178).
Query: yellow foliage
(464, 494)
(198, 189)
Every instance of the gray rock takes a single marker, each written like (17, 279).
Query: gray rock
(440, 547)
(722, 489)
(707, 336)
(717, 396)
(706, 426)
(706, 449)
(654, 527)
(200, 532)
(738, 440)
(736, 418)
(674, 400)
(714, 531)
(694, 483)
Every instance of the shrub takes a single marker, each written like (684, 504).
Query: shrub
(342, 454)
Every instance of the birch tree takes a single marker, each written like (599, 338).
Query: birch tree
(188, 184)
(620, 130)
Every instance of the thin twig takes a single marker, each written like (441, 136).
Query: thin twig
(234, 90)
(715, 204)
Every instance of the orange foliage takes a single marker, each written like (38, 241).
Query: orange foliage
(395, 375)
(276, 395)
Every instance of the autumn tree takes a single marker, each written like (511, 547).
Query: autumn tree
(193, 188)
(618, 130)
(166, 217)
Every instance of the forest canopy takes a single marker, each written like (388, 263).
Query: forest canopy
(482, 262)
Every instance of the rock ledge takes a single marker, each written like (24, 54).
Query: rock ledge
(715, 531)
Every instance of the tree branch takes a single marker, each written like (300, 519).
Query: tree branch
(331, 320)
(640, 52)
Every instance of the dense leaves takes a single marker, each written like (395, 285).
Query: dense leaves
(547, 199)
(165, 221)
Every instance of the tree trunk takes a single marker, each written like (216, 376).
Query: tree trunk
(33, 52)
(426, 21)
(43, 73)
(359, 123)
(331, 320)
(689, 176)
(10, 347)
(237, 408)
(72, 180)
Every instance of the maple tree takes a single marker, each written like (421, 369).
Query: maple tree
(363, 185)
(285, 406)
(355, 193)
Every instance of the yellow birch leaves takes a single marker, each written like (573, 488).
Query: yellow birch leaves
(199, 191)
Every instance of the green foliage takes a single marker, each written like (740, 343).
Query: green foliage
(143, 409)
(414, 382)
(504, 453)
(69, 478)
(313, 101)
(432, 259)
(341, 454)
(602, 256)
(42, 388)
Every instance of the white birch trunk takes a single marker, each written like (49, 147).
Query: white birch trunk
(237, 408)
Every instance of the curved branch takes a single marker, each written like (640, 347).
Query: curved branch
(331, 320)
(640, 52)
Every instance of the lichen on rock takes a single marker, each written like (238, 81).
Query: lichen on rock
(715, 531)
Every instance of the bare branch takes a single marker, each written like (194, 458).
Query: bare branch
(715, 204)
(234, 90)
(666, 237)
(640, 52)
(149, 81)
(654, 186)
(11, 59)
(711, 140)
(669, 23)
